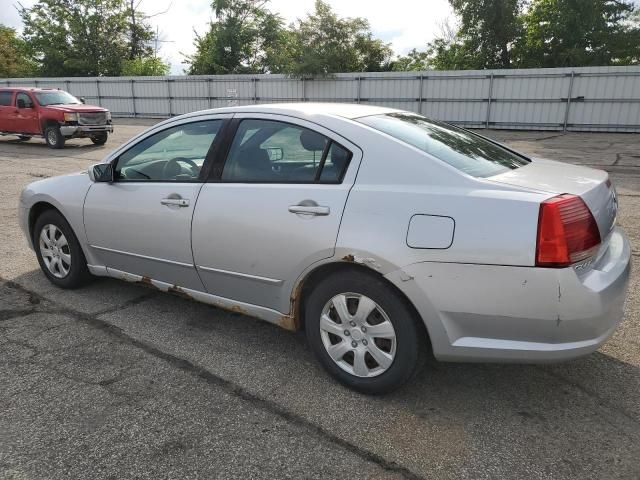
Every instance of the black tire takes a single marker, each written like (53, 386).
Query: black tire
(24, 138)
(53, 137)
(78, 273)
(411, 341)
(99, 138)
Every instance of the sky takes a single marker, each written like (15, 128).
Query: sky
(405, 24)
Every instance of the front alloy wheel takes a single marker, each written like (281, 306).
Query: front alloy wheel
(55, 251)
(58, 250)
(54, 137)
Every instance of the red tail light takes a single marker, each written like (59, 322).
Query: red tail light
(567, 232)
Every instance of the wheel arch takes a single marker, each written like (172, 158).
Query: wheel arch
(37, 209)
(320, 272)
(48, 122)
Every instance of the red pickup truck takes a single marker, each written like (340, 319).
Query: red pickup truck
(53, 114)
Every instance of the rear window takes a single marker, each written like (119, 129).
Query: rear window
(5, 98)
(467, 152)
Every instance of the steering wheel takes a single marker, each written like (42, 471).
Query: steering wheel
(172, 168)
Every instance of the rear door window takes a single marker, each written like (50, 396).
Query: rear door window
(5, 98)
(463, 150)
(268, 151)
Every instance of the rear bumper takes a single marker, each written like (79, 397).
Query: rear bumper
(84, 130)
(519, 314)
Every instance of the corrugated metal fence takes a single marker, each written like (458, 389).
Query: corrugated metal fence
(579, 99)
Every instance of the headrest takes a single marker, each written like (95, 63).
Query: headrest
(312, 141)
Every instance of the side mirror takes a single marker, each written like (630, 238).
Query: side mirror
(21, 103)
(275, 153)
(82, 99)
(101, 172)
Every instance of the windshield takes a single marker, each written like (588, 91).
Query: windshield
(461, 149)
(56, 97)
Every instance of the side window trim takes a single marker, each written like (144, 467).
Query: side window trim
(215, 175)
(219, 157)
(325, 152)
(202, 176)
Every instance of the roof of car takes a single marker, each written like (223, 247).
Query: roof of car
(346, 110)
(29, 89)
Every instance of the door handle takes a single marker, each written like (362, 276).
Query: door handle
(178, 202)
(317, 210)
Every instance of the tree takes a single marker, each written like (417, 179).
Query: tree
(485, 39)
(140, 33)
(84, 37)
(144, 67)
(325, 43)
(15, 62)
(561, 33)
(414, 60)
(489, 28)
(242, 39)
(448, 51)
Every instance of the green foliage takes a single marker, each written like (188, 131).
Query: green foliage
(15, 62)
(325, 43)
(412, 61)
(247, 38)
(562, 33)
(487, 30)
(145, 67)
(84, 37)
(242, 39)
(549, 33)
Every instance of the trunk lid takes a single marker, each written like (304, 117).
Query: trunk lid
(593, 186)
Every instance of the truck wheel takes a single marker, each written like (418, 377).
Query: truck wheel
(24, 138)
(99, 138)
(53, 137)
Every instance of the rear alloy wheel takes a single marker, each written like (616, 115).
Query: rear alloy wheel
(53, 137)
(363, 332)
(59, 253)
(99, 138)
(24, 138)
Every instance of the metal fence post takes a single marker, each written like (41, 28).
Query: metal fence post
(568, 107)
(209, 96)
(304, 90)
(255, 90)
(98, 91)
(169, 97)
(133, 99)
(489, 98)
(420, 85)
(359, 80)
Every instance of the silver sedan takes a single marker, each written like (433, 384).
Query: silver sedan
(379, 232)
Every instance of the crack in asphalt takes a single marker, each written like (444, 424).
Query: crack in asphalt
(9, 314)
(549, 137)
(204, 374)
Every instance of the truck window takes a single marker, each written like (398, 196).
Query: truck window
(28, 103)
(5, 98)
